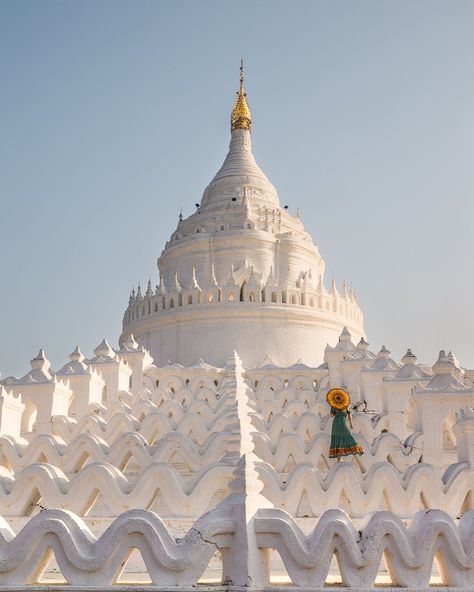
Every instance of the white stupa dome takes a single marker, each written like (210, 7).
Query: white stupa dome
(241, 274)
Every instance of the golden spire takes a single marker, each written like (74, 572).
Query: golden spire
(241, 118)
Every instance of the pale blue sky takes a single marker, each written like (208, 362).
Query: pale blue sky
(114, 114)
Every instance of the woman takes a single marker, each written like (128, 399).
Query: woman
(342, 440)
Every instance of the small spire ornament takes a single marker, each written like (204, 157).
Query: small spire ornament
(241, 117)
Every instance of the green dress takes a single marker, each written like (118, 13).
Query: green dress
(342, 440)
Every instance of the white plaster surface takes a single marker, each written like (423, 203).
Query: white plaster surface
(202, 441)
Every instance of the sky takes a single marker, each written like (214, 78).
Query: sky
(115, 114)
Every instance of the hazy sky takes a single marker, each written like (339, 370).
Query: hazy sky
(114, 114)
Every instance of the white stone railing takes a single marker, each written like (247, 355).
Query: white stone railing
(408, 553)
(47, 486)
(96, 563)
(129, 448)
(177, 448)
(198, 418)
(291, 448)
(381, 487)
(85, 560)
(303, 492)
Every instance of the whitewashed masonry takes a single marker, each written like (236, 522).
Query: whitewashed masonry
(198, 452)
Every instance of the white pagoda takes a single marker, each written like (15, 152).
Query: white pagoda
(195, 455)
(243, 263)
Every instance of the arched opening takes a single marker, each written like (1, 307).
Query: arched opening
(156, 307)
(303, 299)
(209, 296)
(449, 441)
(71, 410)
(28, 418)
(190, 299)
(283, 297)
(311, 302)
(143, 311)
(293, 299)
(274, 296)
(410, 416)
(171, 303)
(230, 297)
(252, 297)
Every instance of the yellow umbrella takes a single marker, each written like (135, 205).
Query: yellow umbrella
(338, 398)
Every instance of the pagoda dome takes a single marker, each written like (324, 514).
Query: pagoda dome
(241, 274)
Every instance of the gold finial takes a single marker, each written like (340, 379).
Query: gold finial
(241, 118)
